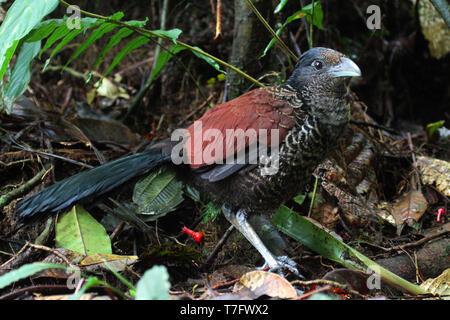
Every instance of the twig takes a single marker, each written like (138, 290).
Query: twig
(374, 125)
(411, 244)
(36, 288)
(272, 32)
(15, 260)
(419, 242)
(329, 285)
(309, 294)
(117, 230)
(13, 194)
(69, 70)
(294, 43)
(224, 284)
(197, 109)
(218, 20)
(42, 153)
(52, 251)
(413, 156)
(219, 245)
(306, 23)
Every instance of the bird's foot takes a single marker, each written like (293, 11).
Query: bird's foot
(282, 262)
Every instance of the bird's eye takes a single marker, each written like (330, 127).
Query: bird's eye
(317, 64)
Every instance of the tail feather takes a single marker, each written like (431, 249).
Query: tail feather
(94, 182)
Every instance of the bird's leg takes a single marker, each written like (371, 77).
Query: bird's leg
(239, 221)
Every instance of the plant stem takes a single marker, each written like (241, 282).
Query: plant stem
(313, 198)
(302, 4)
(272, 32)
(13, 194)
(311, 27)
(149, 33)
(147, 84)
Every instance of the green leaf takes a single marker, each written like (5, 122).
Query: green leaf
(280, 6)
(8, 56)
(210, 61)
(115, 39)
(78, 231)
(300, 199)
(192, 193)
(212, 210)
(299, 14)
(43, 30)
(92, 281)
(86, 23)
(132, 45)
(154, 285)
(271, 43)
(21, 18)
(60, 32)
(319, 240)
(96, 34)
(432, 127)
(21, 73)
(158, 194)
(318, 14)
(305, 11)
(24, 272)
(172, 34)
(120, 277)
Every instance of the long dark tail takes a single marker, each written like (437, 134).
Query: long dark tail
(94, 182)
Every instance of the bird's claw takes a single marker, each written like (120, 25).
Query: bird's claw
(283, 262)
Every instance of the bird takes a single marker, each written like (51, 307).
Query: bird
(249, 155)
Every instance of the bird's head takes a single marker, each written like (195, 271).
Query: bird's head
(323, 69)
(320, 77)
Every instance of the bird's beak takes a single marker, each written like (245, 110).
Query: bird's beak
(346, 68)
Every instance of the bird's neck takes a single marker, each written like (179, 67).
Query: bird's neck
(326, 106)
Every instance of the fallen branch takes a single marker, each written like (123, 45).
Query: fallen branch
(14, 194)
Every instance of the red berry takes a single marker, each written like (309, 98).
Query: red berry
(441, 211)
(197, 236)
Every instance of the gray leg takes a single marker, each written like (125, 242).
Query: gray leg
(239, 221)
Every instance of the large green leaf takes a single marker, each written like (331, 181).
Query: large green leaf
(95, 35)
(315, 17)
(21, 73)
(78, 231)
(158, 194)
(21, 18)
(86, 23)
(60, 32)
(322, 242)
(67, 34)
(116, 38)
